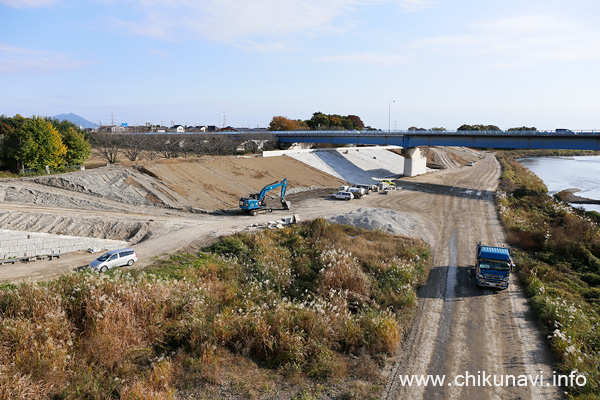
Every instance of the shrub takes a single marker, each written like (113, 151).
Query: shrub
(259, 297)
(561, 268)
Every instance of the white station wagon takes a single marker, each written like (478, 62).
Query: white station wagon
(342, 196)
(113, 259)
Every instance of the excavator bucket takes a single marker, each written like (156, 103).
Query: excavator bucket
(286, 204)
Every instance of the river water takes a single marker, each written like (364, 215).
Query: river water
(569, 172)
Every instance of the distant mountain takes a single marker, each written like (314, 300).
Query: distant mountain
(76, 119)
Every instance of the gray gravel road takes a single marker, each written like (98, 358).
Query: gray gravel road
(462, 329)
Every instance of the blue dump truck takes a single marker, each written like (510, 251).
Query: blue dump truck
(493, 266)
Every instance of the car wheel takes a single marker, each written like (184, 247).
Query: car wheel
(130, 263)
(104, 269)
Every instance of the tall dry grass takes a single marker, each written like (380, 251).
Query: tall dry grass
(560, 266)
(294, 301)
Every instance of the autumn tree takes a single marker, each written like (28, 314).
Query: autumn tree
(356, 122)
(76, 140)
(280, 123)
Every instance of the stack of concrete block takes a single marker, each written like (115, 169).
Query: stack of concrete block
(24, 244)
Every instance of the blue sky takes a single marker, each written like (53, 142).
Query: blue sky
(444, 62)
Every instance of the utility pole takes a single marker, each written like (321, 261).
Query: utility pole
(390, 116)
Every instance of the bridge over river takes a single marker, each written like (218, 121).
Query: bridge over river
(567, 140)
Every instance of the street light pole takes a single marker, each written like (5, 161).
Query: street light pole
(390, 116)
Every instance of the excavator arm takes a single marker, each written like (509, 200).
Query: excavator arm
(260, 198)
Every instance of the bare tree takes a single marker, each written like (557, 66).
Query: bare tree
(188, 144)
(133, 144)
(169, 146)
(150, 146)
(107, 146)
(256, 142)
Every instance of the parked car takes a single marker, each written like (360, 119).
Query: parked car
(470, 164)
(113, 259)
(342, 196)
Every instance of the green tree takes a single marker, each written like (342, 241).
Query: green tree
(78, 148)
(347, 123)
(10, 133)
(478, 127)
(319, 121)
(40, 145)
(523, 128)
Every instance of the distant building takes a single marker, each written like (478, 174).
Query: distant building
(109, 129)
(178, 129)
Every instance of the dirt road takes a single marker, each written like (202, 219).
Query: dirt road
(178, 230)
(462, 329)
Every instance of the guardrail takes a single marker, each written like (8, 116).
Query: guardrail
(434, 133)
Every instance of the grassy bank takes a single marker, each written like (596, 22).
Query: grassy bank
(559, 263)
(310, 310)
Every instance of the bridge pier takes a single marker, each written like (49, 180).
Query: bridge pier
(414, 162)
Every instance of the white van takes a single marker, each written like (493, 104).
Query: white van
(113, 259)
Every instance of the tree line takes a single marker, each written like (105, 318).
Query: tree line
(321, 121)
(36, 143)
(476, 127)
(134, 146)
(318, 121)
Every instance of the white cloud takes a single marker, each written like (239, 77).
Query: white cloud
(418, 5)
(27, 3)
(518, 41)
(366, 58)
(14, 60)
(262, 25)
(251, 24)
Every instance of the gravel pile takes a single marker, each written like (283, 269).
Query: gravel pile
(390, 221)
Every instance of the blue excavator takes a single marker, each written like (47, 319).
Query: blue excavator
(257, 202)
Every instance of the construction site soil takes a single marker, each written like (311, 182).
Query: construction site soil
(168, 206)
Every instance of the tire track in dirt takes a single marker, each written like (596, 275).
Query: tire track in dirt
(460, 327)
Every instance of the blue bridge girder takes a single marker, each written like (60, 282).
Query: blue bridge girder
(569, 140)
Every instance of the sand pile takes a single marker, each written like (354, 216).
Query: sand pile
(394, 222)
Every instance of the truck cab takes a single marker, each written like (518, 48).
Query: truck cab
(493, 266)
